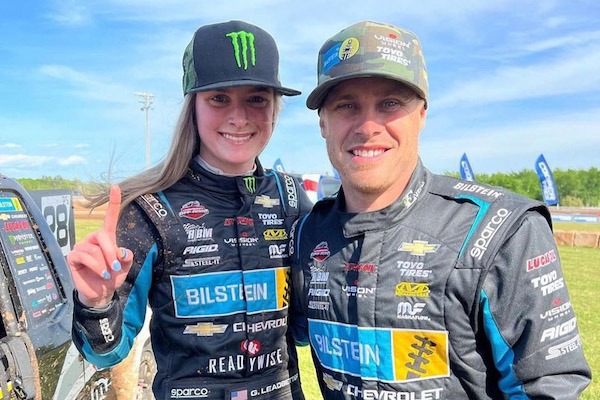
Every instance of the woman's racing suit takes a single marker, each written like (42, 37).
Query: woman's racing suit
(211, 259)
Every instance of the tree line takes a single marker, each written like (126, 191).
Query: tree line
(576, 188)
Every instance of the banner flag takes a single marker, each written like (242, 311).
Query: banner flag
(328, 186)
(320, 192)
(278, 165)
(466, 173)
(549, 191)
(336, 174)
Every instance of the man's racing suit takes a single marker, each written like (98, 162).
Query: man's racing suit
(454, 291)
(211, 258)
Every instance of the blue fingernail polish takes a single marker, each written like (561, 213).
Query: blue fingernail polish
(116, 265)
(106, 274)
(123, 252)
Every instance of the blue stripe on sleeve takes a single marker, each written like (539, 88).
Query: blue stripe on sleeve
(134, 314)
(502, 353)
(483, 208)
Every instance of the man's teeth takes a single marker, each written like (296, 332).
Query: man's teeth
(367, 153)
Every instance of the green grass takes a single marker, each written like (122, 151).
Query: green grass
(580, 267)
(85, 226)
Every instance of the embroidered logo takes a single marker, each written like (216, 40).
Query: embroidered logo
(418, 247)
(243, 45)
(250, 183)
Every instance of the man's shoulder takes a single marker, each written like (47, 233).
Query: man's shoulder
(324, 206)
(478, 192)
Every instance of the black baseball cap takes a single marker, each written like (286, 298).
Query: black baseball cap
(231, 54)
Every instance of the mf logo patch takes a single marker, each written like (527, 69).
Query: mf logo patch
(243, 48)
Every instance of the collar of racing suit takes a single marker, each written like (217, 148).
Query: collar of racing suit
(199, 176)
(359, 223)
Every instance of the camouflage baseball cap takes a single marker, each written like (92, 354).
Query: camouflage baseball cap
(231, 54)
(370, 49)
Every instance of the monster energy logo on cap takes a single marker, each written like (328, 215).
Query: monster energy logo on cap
(250, 183)
(246, 40)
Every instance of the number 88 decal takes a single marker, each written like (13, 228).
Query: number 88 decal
(56, 213)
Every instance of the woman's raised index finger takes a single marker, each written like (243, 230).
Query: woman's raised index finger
(112, 212)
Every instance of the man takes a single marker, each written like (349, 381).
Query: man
(416, 286)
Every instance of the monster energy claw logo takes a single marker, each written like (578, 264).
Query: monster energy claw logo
(246, 41)
(250, 183)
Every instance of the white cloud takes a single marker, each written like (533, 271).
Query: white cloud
(24, 160)
(569, 140)
(72, 160)
(571, 73)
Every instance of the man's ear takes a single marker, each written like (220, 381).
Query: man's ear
(321, 125)
(422, 116)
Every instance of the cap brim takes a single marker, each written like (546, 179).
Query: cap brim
(315, 99)
(245, 82)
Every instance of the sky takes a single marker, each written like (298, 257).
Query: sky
(509, 80)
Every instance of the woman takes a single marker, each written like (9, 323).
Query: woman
(202, 238)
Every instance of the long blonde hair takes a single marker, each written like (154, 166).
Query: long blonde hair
(184, 146)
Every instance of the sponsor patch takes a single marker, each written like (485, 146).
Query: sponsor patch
(266, 201)
(415, 289)
(359, 267)
(275, 234)
(472, 188)
(559, 330)
(418, 247)
(193, 210)
(387, 355)
(411, 311)
(564, 348)
(488, 233)
(278, 250)
(156, 205)
(197, 233)
(548, 283)
(205, 329)
(320, 252)
(541, 260)
(230, 292)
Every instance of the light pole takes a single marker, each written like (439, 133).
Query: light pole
(146, 100)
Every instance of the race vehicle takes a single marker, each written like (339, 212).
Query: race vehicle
(37, 357)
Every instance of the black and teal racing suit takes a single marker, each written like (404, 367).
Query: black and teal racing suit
(454, 291)
(211, 261)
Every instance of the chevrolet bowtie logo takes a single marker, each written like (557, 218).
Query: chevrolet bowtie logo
(331, 383)
(419, 247)
(266, 201)
(204, 329)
